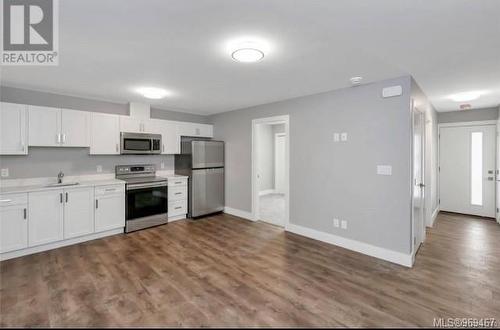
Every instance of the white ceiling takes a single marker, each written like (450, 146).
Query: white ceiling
(110, 47)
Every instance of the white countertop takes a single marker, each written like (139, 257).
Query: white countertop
(39, 184)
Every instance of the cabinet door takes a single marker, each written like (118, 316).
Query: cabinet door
(45, 213)
(170, 139)
(151, 126)
(104, 134)
(13, 132)
(131, 125)
(44, 126)
(194, 129)
(78, 212)
(109, 212)
(75, 128)
(13, 228)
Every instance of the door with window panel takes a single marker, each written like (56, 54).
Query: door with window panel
(467, 169)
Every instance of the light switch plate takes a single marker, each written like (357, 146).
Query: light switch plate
(343, 224)
(384, 169)
(336, 137)
(5, 172)
(336, 223)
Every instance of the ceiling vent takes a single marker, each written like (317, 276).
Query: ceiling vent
(356, 81)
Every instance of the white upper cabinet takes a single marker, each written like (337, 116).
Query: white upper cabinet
(75, 127)
(44, 126)
(131, 125)
(13, 129)
(54, 127)
(104, 134)
(196, 130)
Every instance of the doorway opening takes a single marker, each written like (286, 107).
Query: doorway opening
(270, 170)
(467, 162)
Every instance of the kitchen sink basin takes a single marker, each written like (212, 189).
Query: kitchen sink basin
(62, 184)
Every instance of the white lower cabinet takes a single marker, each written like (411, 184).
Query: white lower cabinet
(13, 222)
(78, 212)
(109, 208)
(45, 217)
(177, 198)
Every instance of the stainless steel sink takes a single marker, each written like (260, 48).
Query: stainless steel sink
(62, 184)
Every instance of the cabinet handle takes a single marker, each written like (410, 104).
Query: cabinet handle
(163, 148)
(178, 193)
(60, 198)
(110, 189)
(96, 203)
(25, 213)
(64, 138)
(178, 182)
(58, 137)
(66, 197)
(178, 207)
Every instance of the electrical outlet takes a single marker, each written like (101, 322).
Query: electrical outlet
(99, 168)
(343, 224)
(343, 137)
(336, 223)
(162, 165)
(5, 172)
(336, 137)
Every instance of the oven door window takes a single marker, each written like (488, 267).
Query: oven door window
(145, 202)
(137, 144)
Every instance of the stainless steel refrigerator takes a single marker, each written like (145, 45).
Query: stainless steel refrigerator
(202, 160)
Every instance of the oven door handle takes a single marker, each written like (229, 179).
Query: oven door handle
(146, 185)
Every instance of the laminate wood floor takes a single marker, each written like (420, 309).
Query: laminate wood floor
(224, 271)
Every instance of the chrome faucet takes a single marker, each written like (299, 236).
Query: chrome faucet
(60, 176)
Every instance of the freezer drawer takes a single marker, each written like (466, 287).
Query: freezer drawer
(207, 195)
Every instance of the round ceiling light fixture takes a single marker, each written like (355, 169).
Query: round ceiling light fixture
(153, 92)
(466, 96)
(247, 55)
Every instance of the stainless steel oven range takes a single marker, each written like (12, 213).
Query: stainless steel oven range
(145, 197)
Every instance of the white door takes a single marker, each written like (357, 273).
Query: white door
(13, 129)
(104, 134)
(44, 126)
(467, 169)
(78, 212)
(75, 127)
(45, 214)
(418, 179)
(279, 163)
(109, 212)
(13, 228)
(130, 125)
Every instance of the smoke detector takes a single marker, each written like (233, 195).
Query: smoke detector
(356, 81)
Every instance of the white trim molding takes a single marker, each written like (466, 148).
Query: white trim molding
(55, 245)
(469, 123)
(239, 213)
(357, 246)
(434, 216)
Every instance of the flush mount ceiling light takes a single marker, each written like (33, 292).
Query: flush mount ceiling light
(466, 96)
(153, 92)
(247, 55)
(248, 49)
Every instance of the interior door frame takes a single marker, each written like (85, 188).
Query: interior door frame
(415, 245)
(285, 119)
(463, 124)
(276, 135)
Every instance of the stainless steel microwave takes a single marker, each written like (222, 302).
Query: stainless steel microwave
(140, 143)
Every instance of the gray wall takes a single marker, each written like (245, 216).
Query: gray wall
(44, 162)
(468, 115)
(330, 179)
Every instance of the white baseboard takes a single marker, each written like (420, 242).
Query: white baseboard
(239, 213)
(364, 248)
(266, 192)
(434, 216)
(55, 245)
